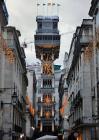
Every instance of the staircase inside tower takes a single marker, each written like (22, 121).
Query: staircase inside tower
(47, 46)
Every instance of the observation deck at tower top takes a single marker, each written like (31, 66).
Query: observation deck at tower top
(47, 37)
(47, 25)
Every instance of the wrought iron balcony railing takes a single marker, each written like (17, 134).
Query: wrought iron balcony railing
(44, 119)
(47, 90)
(47, 104)
(46, 31)
(45, 76)
(47, 39)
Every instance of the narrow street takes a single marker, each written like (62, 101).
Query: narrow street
(49, 70)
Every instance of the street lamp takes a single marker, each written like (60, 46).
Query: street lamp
(14, 97)
(14, 100)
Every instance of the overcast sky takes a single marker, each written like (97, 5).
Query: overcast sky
(22, 15)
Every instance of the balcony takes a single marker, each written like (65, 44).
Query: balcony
(47, 123)
(47, 105)
(43, 76)
(85, 39)
(47, 90)
(51, 103)
(47, 41)
(3, 13)
(77, 102)
(49, 120)
(47, 31)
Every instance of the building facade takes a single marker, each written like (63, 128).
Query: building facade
(65, 103)
(80, 83)
(94, 13)
(13, 80)
(30, 107)
(63, 100)
(13, 86)
(83, 77)
(47, 45)
(36, 67)
(57, 69)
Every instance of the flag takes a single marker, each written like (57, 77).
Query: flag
(38, 4)
(49, 4)
(53, 4)
(58, 4)
(44, 4)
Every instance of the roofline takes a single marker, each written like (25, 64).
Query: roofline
(92, 8)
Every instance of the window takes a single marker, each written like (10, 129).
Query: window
(54, 25)
(47, 24)
(39, 25)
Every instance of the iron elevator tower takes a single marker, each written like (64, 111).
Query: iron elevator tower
(47, 46)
